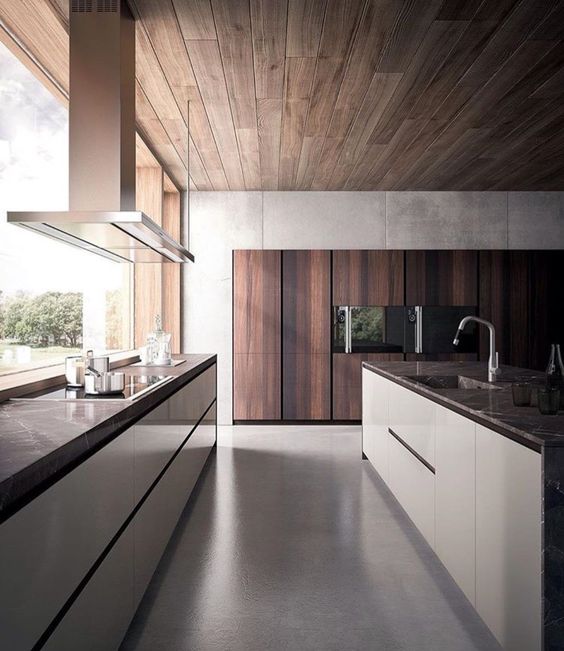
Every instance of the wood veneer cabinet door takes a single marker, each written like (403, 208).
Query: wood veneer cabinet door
(368, 277)
(256, 301)
(306, 393)
(504, 300)
(257, 335)
(441, 278)
(306, 317)
(306, 335)
(347, 382)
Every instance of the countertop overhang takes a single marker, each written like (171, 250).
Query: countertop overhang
(42, 441)
(490, 408)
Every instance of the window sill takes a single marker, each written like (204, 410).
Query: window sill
(20, 384)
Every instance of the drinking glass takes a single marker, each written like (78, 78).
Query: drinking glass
(521, 394)
(549, 400)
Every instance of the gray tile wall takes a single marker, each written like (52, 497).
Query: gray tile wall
(223, 221)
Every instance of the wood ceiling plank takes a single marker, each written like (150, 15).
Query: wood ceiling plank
(341, 22)
(159, 21)
(407, 32)
(379, 101)
(435, 48)
(376, 22)
(208, 70)
(269, 113)
(305, 22)
(299, 72)
(268, 26)
(233, 27)
(152, 130)
(391, 152)
(381, 90)
(195, 18)
(36, 24)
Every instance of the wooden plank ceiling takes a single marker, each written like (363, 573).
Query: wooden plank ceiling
(340, 94)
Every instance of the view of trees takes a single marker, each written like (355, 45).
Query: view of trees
(42, 320)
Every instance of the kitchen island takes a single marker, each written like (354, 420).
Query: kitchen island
(481, 480)
(90, 492)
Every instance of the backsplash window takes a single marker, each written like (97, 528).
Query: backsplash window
(54, 299)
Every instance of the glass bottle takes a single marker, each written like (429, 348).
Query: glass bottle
(555, 371)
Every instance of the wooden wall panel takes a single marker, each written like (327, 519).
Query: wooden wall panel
(306, 335)
(347, 382)
(505, 306)
(522, 294)
(306, 391)
(257, 322)
(306, 300)
(368, 277)
(256, 386)
(441, 278)
(148, 296)
(257, 317)
(171, 277)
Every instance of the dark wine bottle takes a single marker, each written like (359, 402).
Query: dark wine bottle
(555, 371)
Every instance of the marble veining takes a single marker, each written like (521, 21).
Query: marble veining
(491, 408)
(40, 441)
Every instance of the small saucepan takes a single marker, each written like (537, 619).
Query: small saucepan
(96, 383)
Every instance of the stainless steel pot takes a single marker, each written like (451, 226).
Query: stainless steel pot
(100, 364)
(74, 370)
(104, 383)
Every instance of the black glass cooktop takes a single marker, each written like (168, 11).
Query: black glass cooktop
(135, 385)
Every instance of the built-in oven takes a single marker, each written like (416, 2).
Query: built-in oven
(426, 329)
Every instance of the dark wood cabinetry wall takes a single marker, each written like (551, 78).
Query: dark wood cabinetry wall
(442, 278)
(306, 338)
(257, 335)
(522, 293)
(283, 367)
(362, 278)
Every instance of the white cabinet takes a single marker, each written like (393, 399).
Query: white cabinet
(455, 490)
(412, 417)
(47, 547)
(157, 517)
(413, 484)
(375, 390)
(508, 540)
(100, 616)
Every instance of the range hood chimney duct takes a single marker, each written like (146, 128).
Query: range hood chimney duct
(102, 140)
(102, 106)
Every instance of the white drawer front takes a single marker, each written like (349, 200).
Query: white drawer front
(413, 484)
(375, 390)
(412, 418)
(48, 546)
(455, 486)
(508, 540)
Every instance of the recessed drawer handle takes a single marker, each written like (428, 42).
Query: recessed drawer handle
(413, 452)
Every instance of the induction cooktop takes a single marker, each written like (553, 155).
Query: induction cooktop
(135, 386)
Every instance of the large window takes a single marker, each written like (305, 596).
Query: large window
(54, 299)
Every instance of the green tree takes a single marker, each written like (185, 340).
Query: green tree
(52, 316)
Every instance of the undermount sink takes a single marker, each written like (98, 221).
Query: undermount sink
(452, 382)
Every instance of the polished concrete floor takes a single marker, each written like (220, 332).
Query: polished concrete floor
(291, 542)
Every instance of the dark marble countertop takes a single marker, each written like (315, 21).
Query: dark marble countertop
(41, 441)
(492, 408)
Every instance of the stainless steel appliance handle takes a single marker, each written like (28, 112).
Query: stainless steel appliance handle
(418, 328)
(348, 330)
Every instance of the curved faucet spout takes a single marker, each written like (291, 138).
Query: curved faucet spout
(493, 361)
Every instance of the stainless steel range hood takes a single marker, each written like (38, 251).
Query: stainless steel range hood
(102, 216)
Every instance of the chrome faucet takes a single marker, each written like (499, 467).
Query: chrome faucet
(493, 361)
